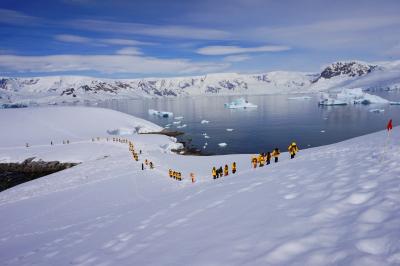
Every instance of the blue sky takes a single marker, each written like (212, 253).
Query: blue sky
(128, 39)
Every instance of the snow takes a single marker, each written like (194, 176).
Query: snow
(62, 90)
(240, 103)
(331, 205)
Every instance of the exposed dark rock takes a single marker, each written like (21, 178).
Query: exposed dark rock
(12, 174)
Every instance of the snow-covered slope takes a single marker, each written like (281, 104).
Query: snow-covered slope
(332, 205)
(51, 90)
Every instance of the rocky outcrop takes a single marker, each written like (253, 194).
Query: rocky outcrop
(12, 174)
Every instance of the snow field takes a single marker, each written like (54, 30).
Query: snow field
(331, 205)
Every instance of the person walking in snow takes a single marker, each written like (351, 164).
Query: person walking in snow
(262, 160)
(214, 173)
(268, 158)
(226, 170)
(142, 166)
(254, 162)
(221, 171)
(233, 167)
(170, 173)
(151, 165)
(275, 154)
(293, 149)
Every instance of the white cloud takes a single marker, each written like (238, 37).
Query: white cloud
(129, 51)
(226, 50)
(123, 42)
(12, 17)
(366, 32)
(80, 39)
(72, 38)
(110, 64)
(236, 58)
(168, 31)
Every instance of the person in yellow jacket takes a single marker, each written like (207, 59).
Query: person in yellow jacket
(254, 161)
(226, 170)
(275, 154)
(214, 173)
(262, 160)
(170, 172)
(233, 167)
(293, 149)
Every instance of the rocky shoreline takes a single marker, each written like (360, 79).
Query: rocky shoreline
(13, 174)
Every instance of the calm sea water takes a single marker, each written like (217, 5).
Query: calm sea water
(275, 123)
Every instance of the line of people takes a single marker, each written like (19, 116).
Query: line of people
(220, 172)
(176, 175)
(265, 158)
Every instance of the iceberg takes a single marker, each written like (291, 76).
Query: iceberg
(240, 103)
(331, 102)
(160, 113)
(357, 96)
(352, 96)
(377, 111)
(299, 98)
(223, 144)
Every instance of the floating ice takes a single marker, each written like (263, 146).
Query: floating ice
(327, 101)
(229, 129)
(160, 113)
(394, 103)
(182, 126)
(377, 110)
(176, 122)
(352, 96)
(206, 137)
(222, 144)
(300, 98)
(178, 118)
(239, 103)
(205, 121)
(322, 131)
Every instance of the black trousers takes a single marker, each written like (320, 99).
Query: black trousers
(276, 159)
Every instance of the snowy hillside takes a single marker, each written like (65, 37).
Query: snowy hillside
(67, 89)
(331, 205)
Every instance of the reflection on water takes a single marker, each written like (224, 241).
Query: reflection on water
(275, 123)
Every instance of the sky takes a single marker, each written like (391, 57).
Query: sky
(130, 39)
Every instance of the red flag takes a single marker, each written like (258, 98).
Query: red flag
(389, 125)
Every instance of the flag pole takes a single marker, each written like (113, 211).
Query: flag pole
(389, 128)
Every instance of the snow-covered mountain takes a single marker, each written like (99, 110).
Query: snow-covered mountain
(59, 89)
